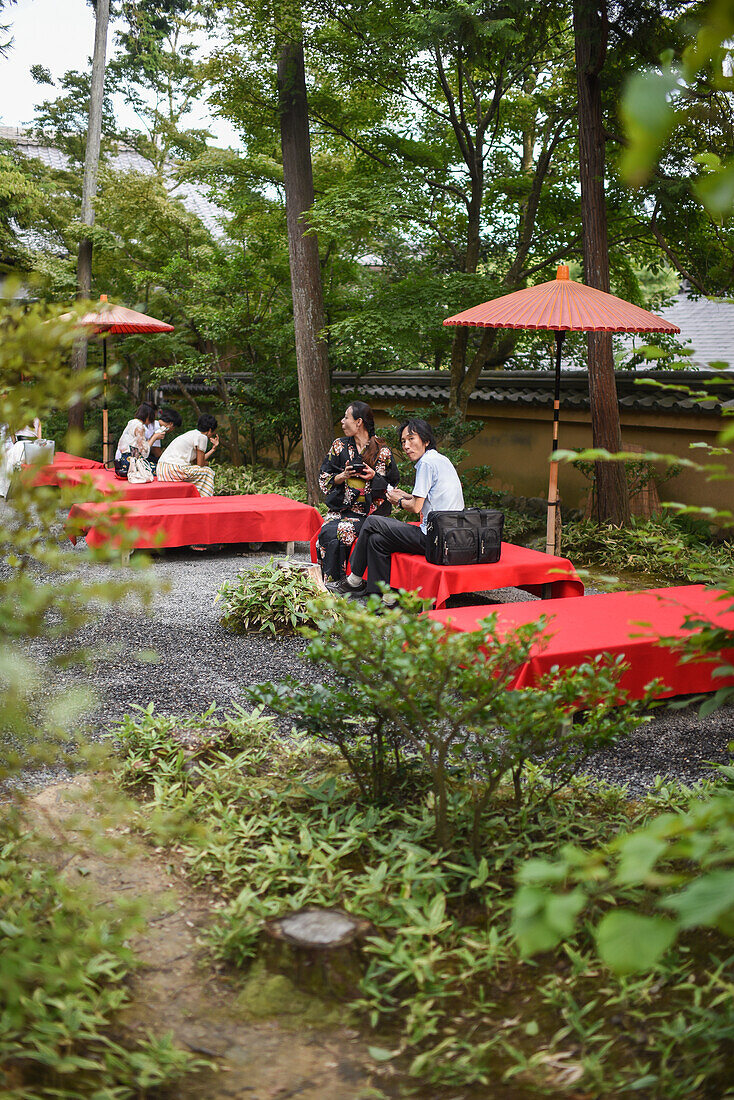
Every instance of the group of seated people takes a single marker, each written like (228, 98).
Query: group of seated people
(185, 457)
(359, 479)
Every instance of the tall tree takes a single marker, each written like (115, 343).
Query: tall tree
(308, 305)
(590, 20)
(89, 186)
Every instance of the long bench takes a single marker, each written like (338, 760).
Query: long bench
(632, 625)
(540, 574)
(202, 521)
(105, 481)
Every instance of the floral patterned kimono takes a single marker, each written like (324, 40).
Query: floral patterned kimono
(350, 504)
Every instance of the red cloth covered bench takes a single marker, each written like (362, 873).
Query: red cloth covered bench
(48, 475)
(518, 567)
(104, 481)
(630, 624)
(258, 517)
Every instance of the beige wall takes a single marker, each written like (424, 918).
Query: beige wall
(516, 444)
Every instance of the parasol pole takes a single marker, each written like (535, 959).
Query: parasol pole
(105, 417)
(552, 522)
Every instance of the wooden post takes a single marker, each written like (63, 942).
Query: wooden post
(553, 521)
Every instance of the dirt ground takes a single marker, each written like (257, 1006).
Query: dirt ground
(176, 989)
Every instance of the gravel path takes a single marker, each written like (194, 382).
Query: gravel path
(200, 663)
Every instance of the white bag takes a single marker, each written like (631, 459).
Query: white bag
(139, 470)
(35, 450)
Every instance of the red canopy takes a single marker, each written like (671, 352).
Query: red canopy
(120, 319)
(562, 305)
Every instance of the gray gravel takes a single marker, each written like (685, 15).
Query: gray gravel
(200, 664)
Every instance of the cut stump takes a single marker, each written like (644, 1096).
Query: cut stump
(319, 948)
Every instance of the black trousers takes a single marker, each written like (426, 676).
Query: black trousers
(379, 538)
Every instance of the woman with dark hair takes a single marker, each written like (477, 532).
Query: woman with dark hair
(354, 478)
(133, 439)
(184, 459)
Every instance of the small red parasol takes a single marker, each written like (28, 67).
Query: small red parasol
(561, 306)
(117, 319)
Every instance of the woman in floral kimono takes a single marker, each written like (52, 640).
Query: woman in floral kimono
(354, 478)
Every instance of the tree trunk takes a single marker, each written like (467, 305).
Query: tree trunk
(89, 188)
(590, 32)
(303, 250)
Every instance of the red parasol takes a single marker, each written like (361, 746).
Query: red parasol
(561, 306)
(117, 319)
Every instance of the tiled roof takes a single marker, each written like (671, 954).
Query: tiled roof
(706, 328)
(536, 388)
(124, 159)
(526, 388)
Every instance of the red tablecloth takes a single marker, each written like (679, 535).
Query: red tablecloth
(104, 481)
(259, 517)
(48, 475)
(626, 623)
(518, 567)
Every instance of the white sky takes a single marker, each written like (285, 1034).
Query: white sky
(58, 34)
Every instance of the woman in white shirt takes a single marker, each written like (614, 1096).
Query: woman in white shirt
(133, 439)
(184, 459)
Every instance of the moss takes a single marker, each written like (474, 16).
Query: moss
(266, 995)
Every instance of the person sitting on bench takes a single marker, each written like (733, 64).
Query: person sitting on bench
(437, 488)
(184, 459)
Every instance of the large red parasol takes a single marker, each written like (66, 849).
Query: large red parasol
(561, 306)
(117, 319)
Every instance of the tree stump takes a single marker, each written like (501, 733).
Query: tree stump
(319, 949)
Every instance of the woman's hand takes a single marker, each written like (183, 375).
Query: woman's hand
(214, 442)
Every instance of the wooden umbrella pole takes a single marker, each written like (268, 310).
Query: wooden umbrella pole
(553, 501)
(105, 419)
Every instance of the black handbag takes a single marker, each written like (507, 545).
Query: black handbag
(471, 537)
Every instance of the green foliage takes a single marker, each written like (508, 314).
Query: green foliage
(270, 829)
(661, 548)
(680, 865)
(64, 965)
(233, 480)
(443, 701)
(267, 599)
(41, 591)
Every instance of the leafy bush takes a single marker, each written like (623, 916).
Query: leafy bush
(661, 548)
(64, 963)
(267, 598)
(276, 829)
(684, 861)
(233, 480)
(445, 700)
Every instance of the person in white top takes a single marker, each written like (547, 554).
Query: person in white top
(133, 439)
(437, 488)
(184, 459)
(168, 420)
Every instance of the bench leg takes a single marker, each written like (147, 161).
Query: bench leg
(547, 591)
(125, 557)
(290, 549)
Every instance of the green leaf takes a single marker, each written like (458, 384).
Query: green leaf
(630, 942)
(638, 854)
(705, 901)
(379, 1054)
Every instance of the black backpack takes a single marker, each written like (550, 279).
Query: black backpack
(471, 537)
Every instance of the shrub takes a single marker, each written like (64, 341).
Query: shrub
(408, 689)
(267, 598)
(660, 548)
(232, 480)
